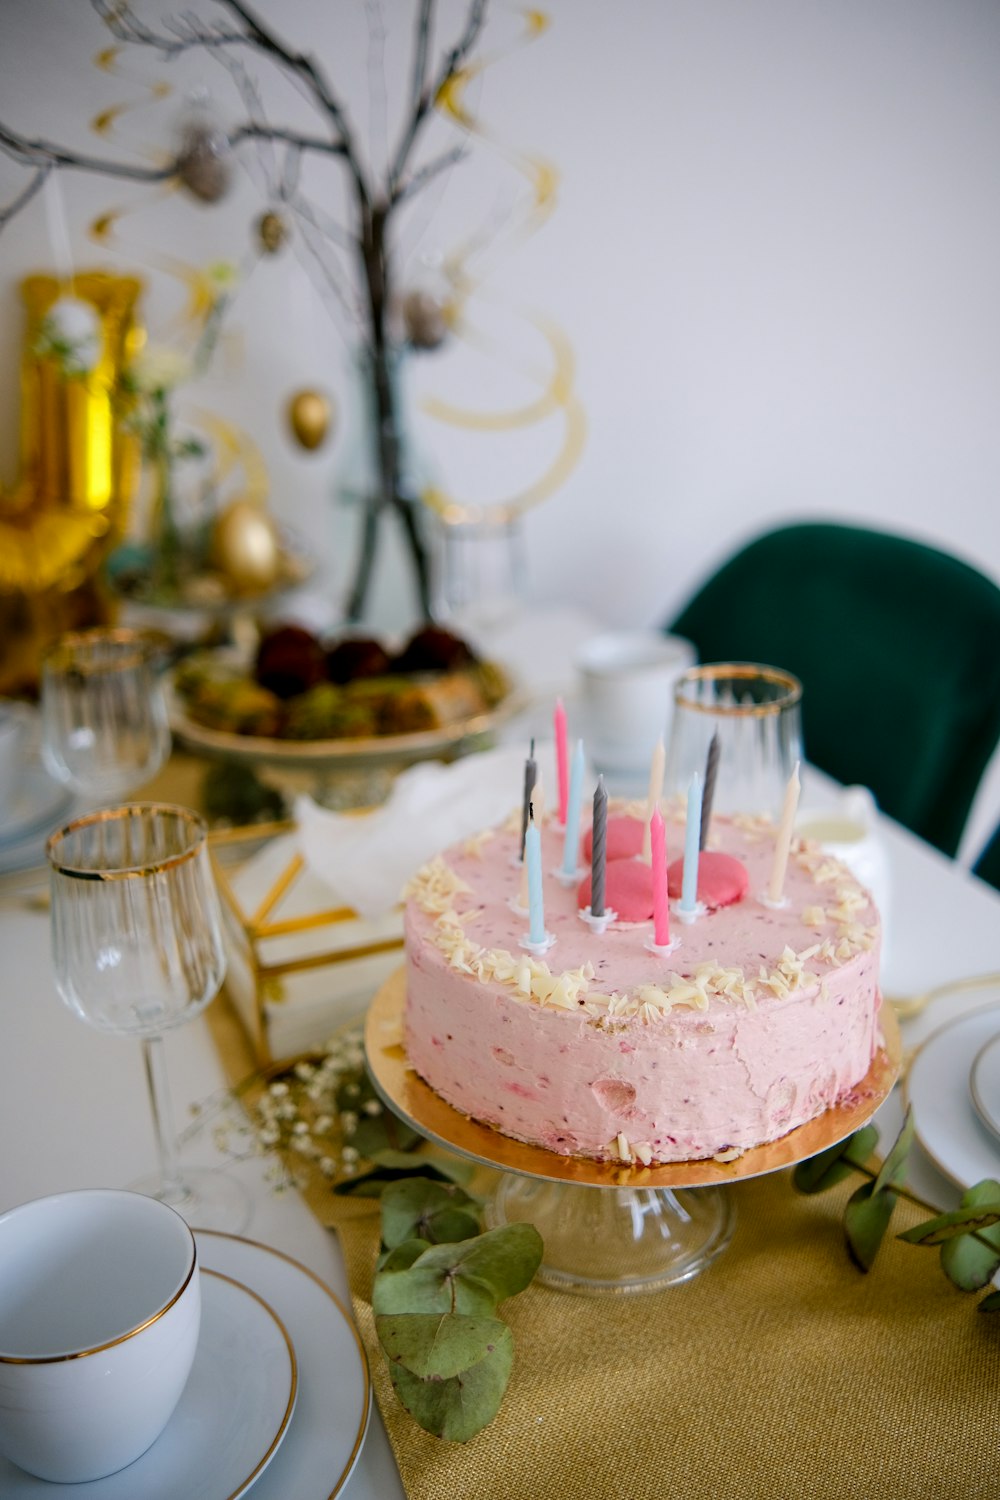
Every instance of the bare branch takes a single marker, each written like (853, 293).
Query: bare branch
(452, 63)
(425, 20)
(16, 204)
(421, 178)
(126, 26)
(263, 131)
(46, 153)
(307, 68)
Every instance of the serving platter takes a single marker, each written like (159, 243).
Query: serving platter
(449, 740)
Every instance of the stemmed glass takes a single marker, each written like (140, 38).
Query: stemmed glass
(104, 716)
(137, 950)
(753, 711)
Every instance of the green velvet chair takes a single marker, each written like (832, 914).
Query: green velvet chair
(898, 650)
(987, 865)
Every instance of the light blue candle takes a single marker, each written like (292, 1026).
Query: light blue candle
(692, 838)
(536, 900)
(571, 848)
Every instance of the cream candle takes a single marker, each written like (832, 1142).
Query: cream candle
(783, 842)
(657, 767)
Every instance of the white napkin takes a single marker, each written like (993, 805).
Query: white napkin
(366, 861)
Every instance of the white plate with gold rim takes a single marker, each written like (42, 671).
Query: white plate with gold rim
(231, 1419)
(334, 1401)
(938, 1089)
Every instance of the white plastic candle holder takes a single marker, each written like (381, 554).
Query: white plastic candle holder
(689, 914)
(516, 907)
(537, 948)
(568, 878)
(662, 950)
(770, 903)
(598, 924)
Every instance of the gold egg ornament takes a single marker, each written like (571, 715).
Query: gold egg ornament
(310, 417)
(245, 547)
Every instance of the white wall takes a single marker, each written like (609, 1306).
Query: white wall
(774, 254)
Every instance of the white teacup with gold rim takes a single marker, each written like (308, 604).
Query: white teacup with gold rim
(100, 1309)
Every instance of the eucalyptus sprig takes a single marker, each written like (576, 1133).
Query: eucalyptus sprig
(968, 1237)
(439, 1279)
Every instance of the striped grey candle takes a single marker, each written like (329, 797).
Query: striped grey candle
(530, 773)
(599, 849)
(708, 796)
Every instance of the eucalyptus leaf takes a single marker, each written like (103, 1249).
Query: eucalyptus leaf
(376, 1133)
(831, 1166)
(458, 1408)
(372, 1184)
(440, 1345)
(403, 1256)
(445, 1168)
(471, 1277)
(970, 1261)
(893, 1168)
(946, 1227)
(990, 1304)
(866, 1219)
(432, 1211)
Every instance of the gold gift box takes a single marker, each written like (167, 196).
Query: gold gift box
(297, 967)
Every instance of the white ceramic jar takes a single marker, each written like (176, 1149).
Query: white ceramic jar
(100, 1308)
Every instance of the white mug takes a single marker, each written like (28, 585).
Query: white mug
(627, 683)
(100, 1307)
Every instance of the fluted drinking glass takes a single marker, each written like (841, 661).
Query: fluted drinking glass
(104, 716)
(137, 950)
(753, 711)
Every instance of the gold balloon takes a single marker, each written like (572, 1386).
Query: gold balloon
(245, 547)
(310, 415)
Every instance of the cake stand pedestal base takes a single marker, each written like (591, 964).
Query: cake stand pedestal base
(620, 1240)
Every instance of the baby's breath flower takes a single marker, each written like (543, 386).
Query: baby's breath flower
(372, 1107)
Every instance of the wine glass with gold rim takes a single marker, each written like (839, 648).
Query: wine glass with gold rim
(104, 714)
(137, 950)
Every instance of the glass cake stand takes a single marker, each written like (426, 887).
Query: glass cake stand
(644, 1228)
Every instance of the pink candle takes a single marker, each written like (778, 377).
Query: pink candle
(658, 857)
(562, 759)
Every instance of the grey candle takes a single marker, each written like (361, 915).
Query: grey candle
(530, 773)
(599, 849)
(711, 772)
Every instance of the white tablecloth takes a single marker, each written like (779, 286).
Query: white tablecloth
(74, 1111)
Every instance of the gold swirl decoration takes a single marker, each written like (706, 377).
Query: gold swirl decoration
(556, 385)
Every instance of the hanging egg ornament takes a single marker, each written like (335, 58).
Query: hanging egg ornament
(245, 547)
(310, 416)
(425, 317)
(204, 160)
(273, 232)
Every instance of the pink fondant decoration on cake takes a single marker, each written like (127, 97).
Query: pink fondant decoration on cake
(628, 890)
(624, 838)
(722, 879)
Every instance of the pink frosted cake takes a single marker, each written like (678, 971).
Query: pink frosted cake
(760, 1019)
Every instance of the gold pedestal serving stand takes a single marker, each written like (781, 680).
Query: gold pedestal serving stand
(648, 1227)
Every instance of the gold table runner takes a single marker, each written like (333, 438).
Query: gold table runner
(781, 1371)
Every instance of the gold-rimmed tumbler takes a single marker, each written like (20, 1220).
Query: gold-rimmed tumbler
(137, 950)
(105, 730)
(753, 712)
